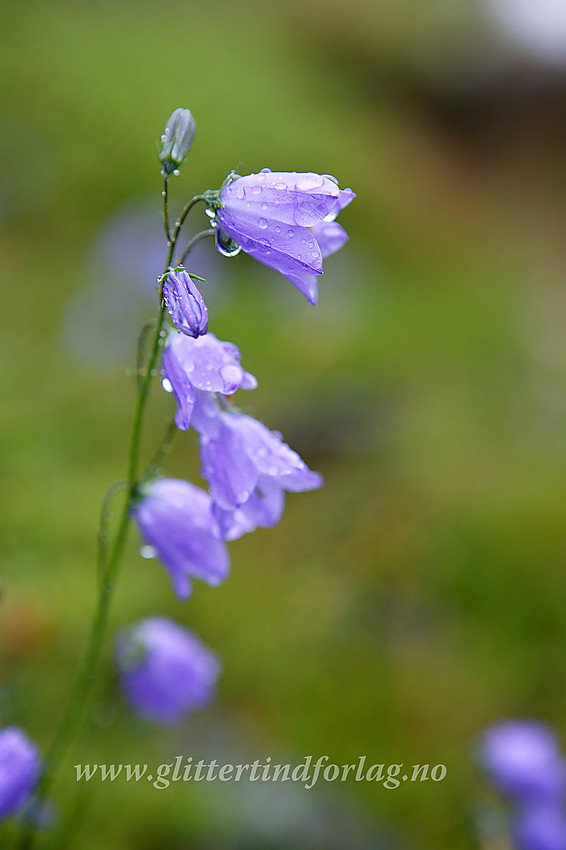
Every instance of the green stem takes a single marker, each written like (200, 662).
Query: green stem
(165, 194)
(108, 564)
(194, 241)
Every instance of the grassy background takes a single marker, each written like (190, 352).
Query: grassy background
(420, 595)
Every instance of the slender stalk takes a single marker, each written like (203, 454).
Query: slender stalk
(165, 194)
(109, 562)
(180, 221)
(155, 463)
(202, 235)
(105, 516)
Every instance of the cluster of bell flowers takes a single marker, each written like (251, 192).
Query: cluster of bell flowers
(285, 220)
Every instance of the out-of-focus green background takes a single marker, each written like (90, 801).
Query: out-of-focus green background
(421, 594)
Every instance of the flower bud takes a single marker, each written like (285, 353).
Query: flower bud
(177, 139)
(185, 303)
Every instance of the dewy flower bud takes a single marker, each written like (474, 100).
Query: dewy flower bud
(177, 139)
(185, 303)
(20, 767)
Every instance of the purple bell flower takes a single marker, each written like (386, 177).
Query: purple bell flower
(20, 768)
(204, 364)
(540, 827)
(165, 670)
(185, 303)
(175, 520)
(523, 760)
(247, 467)
(269, 215)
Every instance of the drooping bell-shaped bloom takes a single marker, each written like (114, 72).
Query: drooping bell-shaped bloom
(523, 760)
(20, 768)
(540, 827)
(165, 670)
(204, 364)
(176, 140)
(184, 303)
(269, 215)
(176, 521)
(248, 467)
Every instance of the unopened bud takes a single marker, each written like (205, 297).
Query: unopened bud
(176, 140)
(185, 303)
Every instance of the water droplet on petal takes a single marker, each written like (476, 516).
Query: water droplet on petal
(277, 229)
(147, 552)
(262, 222)
(167, 385)
(290, 232)
(265, 171)
(305, 182)
(256, 190)
(280, 186)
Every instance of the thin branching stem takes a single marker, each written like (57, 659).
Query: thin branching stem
(109, 556)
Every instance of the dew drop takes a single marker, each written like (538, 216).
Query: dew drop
(262, 222)
(280, 186)
(231, 374)
(167, 385)
(256, 190)
(277, 229)
(176, 172)
(147, 552)
(265, 171)
(306, 182)
(290, 232)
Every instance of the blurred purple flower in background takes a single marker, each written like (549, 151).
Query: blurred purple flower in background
(206, 364)
(20, 767)
(175, 520)
(540, 827)
(165, 670)
(269, 215)
(524, 763)
(185, 304)
(523, 760)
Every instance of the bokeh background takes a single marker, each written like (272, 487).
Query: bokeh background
(420, 595)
